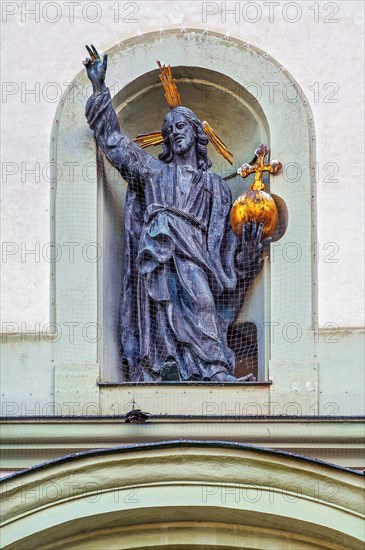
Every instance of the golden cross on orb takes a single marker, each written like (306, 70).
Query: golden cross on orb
(273, 167)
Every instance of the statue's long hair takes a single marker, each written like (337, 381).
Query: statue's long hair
(201, 138)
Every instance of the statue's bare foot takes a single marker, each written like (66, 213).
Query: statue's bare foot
(170, 370)
(222, 376)
(225, 377)
(248, 378)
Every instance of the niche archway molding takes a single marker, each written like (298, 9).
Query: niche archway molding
(186, 494)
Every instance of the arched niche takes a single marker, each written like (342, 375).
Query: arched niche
(215, 77)
(183, 495)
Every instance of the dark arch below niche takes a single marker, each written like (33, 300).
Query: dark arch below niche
(239, 120)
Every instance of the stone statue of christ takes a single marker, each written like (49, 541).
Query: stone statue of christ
(185, 273)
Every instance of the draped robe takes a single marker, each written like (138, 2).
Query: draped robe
(179, 274)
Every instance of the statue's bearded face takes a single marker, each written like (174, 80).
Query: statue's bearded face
(181, 134)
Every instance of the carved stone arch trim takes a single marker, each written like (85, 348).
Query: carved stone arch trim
(183, 492)
(77, 206)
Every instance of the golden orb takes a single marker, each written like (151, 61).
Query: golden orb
(254, 206)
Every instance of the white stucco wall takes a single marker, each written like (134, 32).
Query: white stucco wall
(319, 43)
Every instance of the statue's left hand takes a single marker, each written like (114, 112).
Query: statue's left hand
(96, 69)
(252, 248)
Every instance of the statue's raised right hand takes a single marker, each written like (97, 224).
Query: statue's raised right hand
(96, 69)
